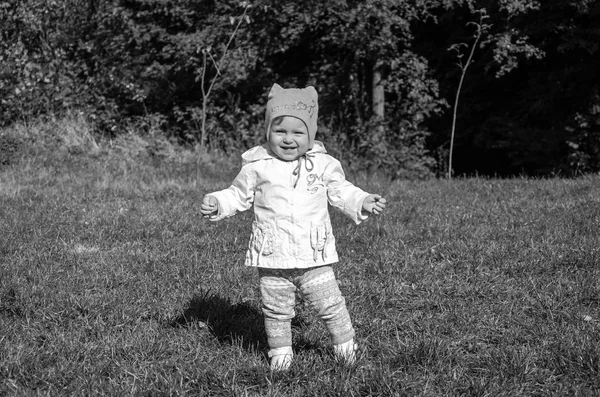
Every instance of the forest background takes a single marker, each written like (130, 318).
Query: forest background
(388, 73)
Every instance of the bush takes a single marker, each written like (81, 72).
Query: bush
(9, 147)
(584, 144)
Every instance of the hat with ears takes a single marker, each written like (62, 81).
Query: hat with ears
(301, 103)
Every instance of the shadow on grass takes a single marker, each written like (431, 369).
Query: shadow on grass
(228, 322)
(241, 323)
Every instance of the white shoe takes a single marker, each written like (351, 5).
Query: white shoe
(346, 352)
(281, 358)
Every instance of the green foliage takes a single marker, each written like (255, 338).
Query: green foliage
(138, 64)
(510, 44)
(142, 58)
(38, 75)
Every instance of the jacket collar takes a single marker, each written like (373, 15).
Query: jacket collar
(262, 152)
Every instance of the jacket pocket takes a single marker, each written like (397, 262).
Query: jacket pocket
(320, 237)
(262, 241)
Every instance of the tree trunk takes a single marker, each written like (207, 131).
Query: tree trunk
(378, 96)
(378, 107)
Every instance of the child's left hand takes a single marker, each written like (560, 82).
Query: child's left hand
(209, 207)
(374, 204)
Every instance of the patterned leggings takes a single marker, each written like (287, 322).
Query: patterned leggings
(318, 286)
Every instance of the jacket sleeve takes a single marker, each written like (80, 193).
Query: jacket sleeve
(343, 195)
(236, 198)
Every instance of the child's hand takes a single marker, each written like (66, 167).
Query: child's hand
(209, 207)
(374, 204)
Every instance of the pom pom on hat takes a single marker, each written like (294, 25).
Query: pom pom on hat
(301, 103)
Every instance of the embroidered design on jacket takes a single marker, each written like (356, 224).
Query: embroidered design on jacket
(314, 181)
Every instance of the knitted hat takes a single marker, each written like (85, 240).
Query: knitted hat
(297, 102)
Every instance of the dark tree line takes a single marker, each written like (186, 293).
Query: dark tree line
(387, 81)
(543, 116)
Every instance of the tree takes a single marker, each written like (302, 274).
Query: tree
(207, 86)
(502, 59)
(480, 29)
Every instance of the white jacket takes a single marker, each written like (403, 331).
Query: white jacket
(291, 227)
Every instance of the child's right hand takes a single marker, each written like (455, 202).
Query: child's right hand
(209, 207)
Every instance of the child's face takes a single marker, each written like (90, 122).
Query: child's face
(288, 138)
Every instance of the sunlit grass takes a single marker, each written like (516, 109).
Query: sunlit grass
(112, 284)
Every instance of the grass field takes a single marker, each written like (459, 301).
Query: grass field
(112, 284)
